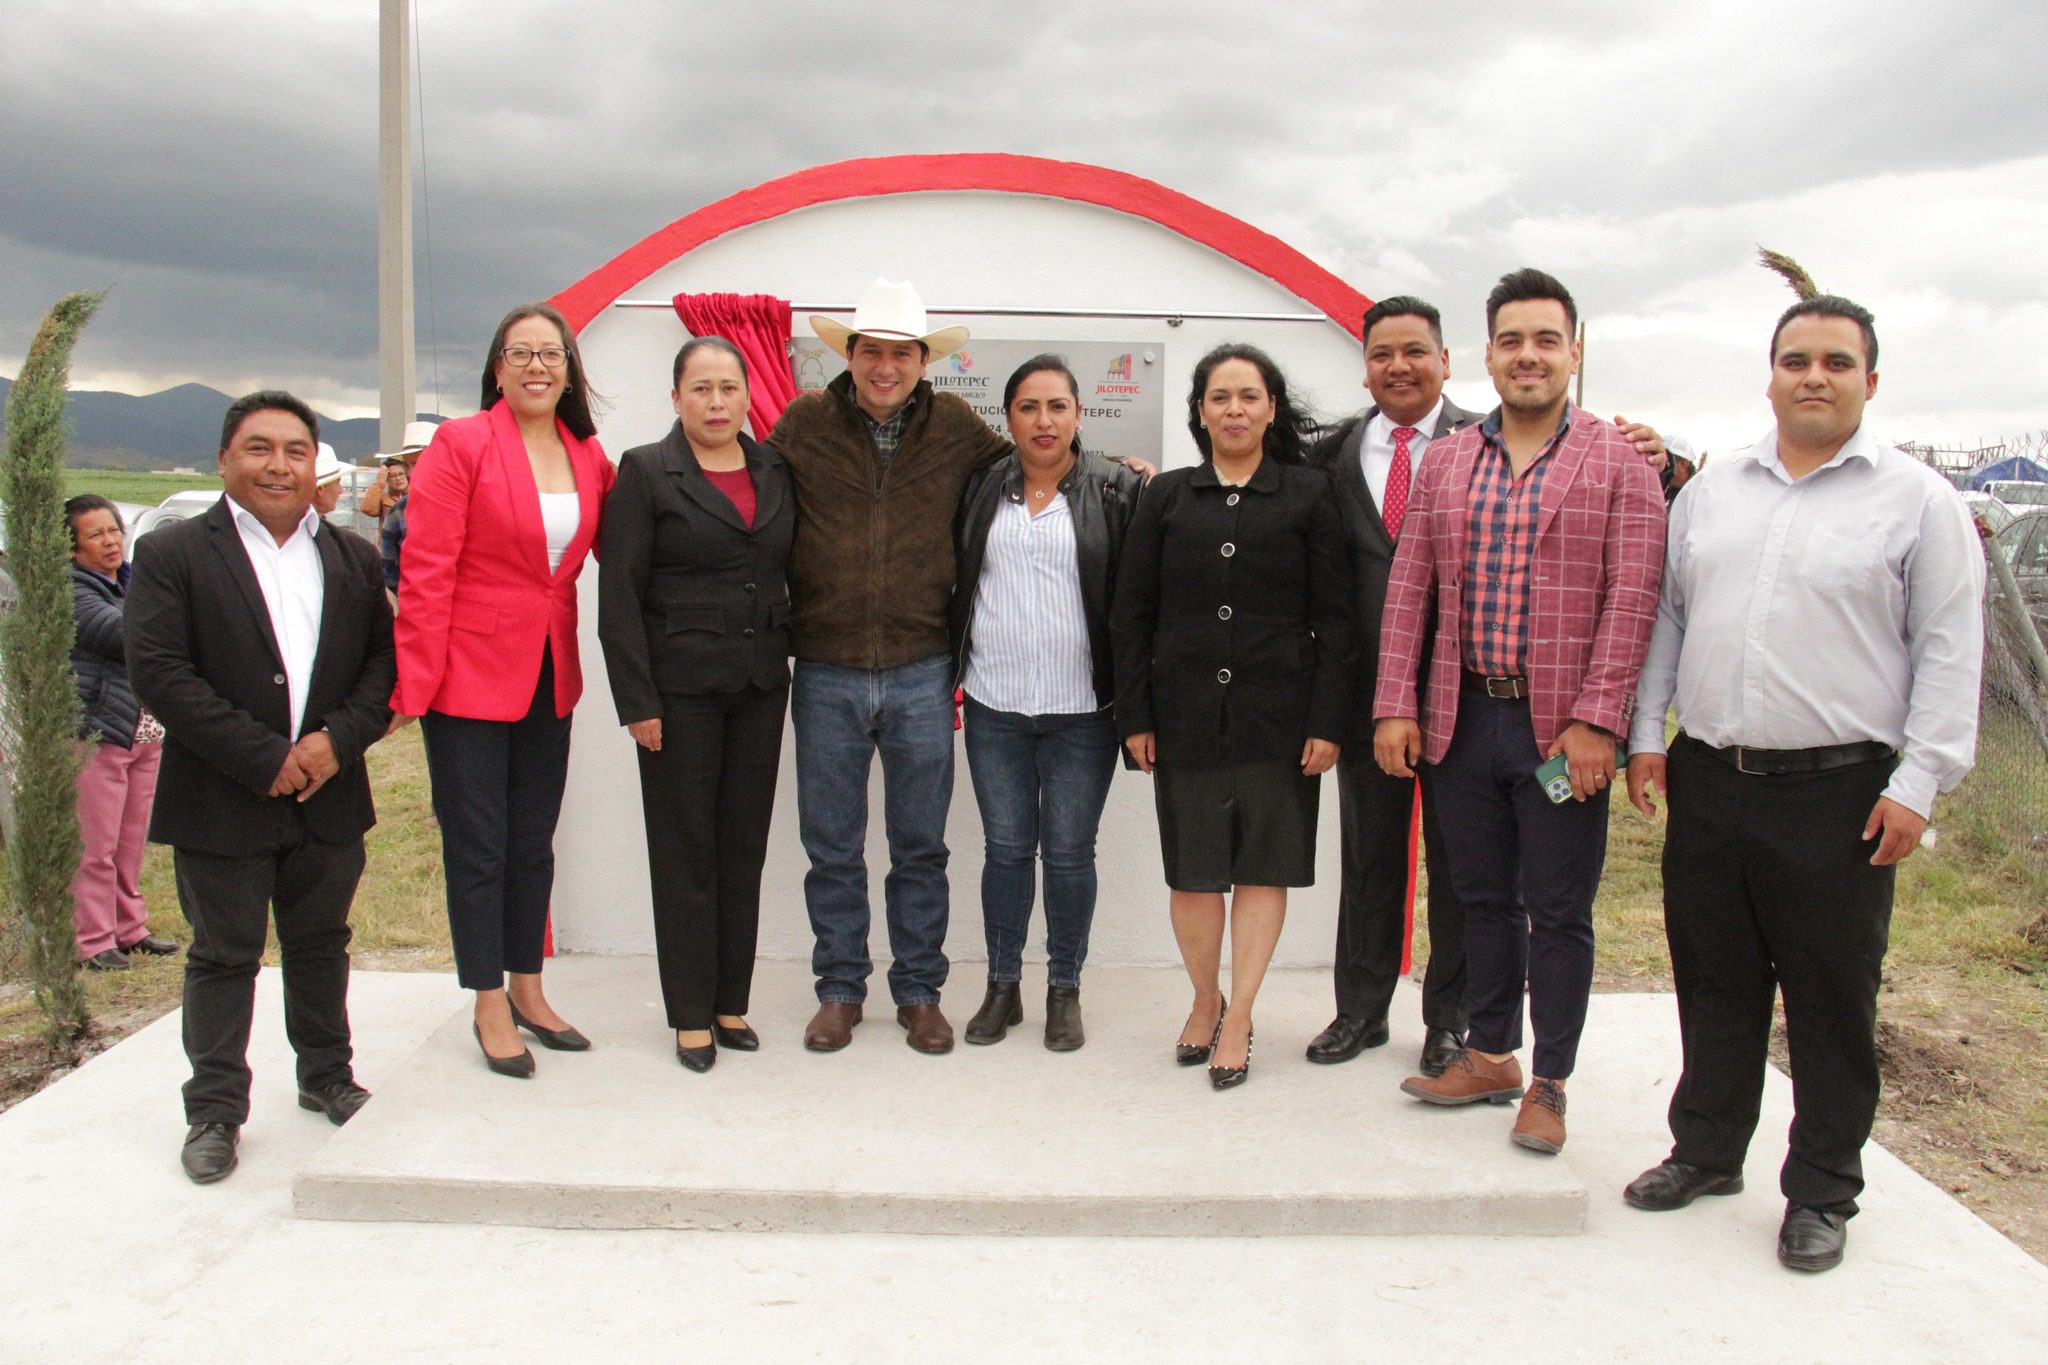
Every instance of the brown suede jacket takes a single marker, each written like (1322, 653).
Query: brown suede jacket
(871, 572)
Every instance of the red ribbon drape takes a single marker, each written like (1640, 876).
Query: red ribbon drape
(759, 325)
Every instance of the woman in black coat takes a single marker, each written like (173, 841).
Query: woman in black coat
(1234, 641)
(693, 613)
(117, 785)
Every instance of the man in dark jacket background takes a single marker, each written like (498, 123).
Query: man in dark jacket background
(262, 638)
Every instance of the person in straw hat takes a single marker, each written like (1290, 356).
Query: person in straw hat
(879, 460)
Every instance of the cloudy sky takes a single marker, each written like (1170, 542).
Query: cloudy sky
(215, 161)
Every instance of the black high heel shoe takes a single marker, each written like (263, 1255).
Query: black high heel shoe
(1223, 1077)
(741, 1039)
(554, 1039)
(698, 1059)
(1194, 1054)
(520, 1067)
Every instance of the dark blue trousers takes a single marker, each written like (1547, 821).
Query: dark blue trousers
(1526, 872)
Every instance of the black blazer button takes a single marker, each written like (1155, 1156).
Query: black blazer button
(748, 633)
(279, 680)
(1223, 613)
(750, 587)
(1230, 501)
(1223, 675)
(1228, 549)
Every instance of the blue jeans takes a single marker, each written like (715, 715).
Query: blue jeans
(1040, 782)
(842, 716)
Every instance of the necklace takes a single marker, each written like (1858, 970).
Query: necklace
(1039, 494)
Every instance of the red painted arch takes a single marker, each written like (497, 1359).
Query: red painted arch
(869, 177)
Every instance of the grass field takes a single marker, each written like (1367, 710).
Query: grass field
(1963, 1016)
(128, 485)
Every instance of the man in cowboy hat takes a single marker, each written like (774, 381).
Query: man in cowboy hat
(327, 472)
(879, 460)
(388, 488)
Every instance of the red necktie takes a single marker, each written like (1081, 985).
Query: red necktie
(1394, 506)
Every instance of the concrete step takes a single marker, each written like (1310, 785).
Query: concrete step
(1112, 1140)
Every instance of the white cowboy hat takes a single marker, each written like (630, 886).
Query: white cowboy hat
(418, 436)
(327, 466)
(894, 312)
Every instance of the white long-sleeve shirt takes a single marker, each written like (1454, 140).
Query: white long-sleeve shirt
(294, 590)
(1846, 606)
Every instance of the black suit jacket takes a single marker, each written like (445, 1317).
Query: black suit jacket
(203, 658)
(1365, 534)
(689, 597)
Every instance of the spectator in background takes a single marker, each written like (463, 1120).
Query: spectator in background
(392, 485)
(327, 472)
(383, 493)
(118, 782)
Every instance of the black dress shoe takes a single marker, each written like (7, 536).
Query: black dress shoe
(338, 1100)
(741, 1039)
(151, 944)
(1223, 1077)
(553, 1039)
(209, 1153)
(1000, 1008)
(1812, 1239)
(520, 1067)
(1438, 1048)
(1346, 1037)
(1194, 1054)
(698, 1059)
(110, 960)
(1674, 1184)
(1063, 1019)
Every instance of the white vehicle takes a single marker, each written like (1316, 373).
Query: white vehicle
(177, 507)
(2018, 492)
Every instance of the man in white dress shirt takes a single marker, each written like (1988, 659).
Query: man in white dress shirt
(1820, 634)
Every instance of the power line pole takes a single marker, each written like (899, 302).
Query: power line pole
(398, 399)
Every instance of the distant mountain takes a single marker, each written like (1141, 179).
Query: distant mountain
(179, 426)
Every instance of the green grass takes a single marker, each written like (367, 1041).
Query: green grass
(129, 485)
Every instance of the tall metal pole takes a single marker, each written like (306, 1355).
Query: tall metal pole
(399, 402)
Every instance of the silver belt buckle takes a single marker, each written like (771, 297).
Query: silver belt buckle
(1501, 689)
(1744, 768)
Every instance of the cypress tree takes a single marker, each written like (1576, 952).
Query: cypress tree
(41, 696)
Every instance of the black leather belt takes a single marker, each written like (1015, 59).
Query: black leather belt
(1780, 762)
(1506, 689)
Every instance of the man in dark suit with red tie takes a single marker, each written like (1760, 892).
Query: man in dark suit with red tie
(1373, 458)
(262, 639)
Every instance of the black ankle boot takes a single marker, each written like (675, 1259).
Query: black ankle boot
(1063, 1019)
(1000, 1008)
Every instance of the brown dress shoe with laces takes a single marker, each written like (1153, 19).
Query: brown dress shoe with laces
(929, 1031)
(1540, 1124)
(1469, 1078)
(831, 1028)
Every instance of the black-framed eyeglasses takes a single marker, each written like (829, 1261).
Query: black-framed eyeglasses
(550, 356)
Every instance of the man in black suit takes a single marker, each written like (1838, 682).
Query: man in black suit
(1373, 458)
(262, 640)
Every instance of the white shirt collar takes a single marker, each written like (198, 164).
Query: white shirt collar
(248, 521)
(1861, 445)
(1427, 426)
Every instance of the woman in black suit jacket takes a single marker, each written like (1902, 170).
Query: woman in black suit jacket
(693, 612)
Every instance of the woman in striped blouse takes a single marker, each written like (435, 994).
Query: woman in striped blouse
(1039, 537)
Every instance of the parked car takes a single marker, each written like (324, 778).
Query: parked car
(2024, 543)
(2018, 492)
(1988, 510)
(177, 507)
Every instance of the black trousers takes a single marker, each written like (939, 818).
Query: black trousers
(1375, 814)
(1526, 872)
(229, 902)
(708, 795)
(498, 793)
(1768, 885)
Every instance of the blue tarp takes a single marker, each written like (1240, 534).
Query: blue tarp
(2011, 467)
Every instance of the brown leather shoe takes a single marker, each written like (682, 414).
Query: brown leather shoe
(1468, 1079)
(1540, 1125)
(929, 1031)
(831, 1028)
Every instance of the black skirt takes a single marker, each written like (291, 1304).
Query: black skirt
(1241, 824)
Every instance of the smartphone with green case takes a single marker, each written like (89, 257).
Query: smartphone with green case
(1556, 779)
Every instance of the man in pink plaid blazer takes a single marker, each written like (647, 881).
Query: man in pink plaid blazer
(1530, 592)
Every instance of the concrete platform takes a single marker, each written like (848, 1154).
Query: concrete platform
(1007, 1140)
(109, 1254)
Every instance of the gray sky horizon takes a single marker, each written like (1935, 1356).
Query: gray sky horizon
(215, 162)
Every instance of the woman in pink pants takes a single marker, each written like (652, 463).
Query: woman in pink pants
(118, 782)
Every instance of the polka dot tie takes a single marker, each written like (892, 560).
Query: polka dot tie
(1394, 506)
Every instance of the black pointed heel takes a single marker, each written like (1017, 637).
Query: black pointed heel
(1194, 1054)
(1223, 1077)
(519, 1068)
(741, 1039)
(554, 1039)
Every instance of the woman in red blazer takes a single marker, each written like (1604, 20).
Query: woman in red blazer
(503, 510)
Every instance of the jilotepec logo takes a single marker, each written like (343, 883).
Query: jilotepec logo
(1117, 379)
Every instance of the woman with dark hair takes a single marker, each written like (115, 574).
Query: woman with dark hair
(1233, 659)
(1037, 543)
(693, 611)
(503, 509)
(117, 785)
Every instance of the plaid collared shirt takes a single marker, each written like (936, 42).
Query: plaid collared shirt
(888, 435)
(1500, 539)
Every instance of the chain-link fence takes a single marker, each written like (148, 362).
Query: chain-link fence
(2003, 807)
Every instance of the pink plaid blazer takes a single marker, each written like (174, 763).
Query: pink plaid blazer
(1594, 575)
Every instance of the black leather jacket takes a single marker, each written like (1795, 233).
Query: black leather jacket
(1101, 495)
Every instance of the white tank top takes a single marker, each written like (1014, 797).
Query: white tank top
(559, 514)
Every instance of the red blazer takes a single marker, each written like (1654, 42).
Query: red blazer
(1594, 575)
(474, 589)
